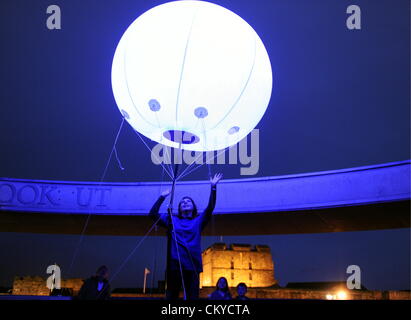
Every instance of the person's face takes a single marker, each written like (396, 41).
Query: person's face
(222, 283)
(103, 274)
(186, 205)
(241, 290)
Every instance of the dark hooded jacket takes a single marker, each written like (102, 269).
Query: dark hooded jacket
(187, 234)
(89, 290)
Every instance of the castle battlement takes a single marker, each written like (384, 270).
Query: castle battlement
(252, 265)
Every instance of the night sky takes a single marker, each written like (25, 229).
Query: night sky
(341, 99)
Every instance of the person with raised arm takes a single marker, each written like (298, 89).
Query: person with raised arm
(184, 262)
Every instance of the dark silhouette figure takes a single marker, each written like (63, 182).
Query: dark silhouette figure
(222, 291)
(96, 287)
(241, 291)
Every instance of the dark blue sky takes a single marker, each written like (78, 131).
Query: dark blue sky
(340, 99)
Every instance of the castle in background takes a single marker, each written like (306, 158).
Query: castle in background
(238, 263)
(252, 265)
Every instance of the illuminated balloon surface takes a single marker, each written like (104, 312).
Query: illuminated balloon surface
(192, 67)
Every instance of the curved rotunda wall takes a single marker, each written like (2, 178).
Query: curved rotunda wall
(309, 200)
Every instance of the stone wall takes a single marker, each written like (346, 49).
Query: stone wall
(397, 295)
(73, 284)
(271, 293)
(38, 286)
(298, 294)
(30, 286)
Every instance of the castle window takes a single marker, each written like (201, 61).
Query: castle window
(232, 264)
(250, 276)
(249, 266)
(232, 275)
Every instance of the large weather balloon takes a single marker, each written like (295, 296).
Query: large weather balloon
(195, 68)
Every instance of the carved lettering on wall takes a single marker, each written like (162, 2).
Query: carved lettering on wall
(88, 196)
(51, 196)
(29, 194)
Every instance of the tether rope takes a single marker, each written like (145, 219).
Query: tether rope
(170, 175)
(170, 168)
(118, 160)
(89, 215)
(182, 175)
(135, 248)
(173, 176)
(170, 212)
(154, 226)
(179, 259)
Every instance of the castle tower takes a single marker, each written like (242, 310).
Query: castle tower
(238, 263)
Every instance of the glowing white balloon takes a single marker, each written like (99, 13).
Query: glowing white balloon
(193, 67)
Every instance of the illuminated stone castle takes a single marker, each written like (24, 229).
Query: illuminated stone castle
(238, 263)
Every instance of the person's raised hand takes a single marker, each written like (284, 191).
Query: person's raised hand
(165, 193)
(217, 177)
